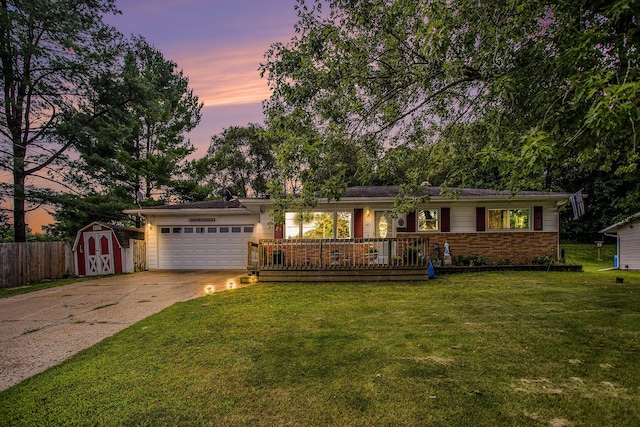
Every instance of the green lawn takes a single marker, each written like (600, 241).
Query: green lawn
(17, 290)
(489, 349)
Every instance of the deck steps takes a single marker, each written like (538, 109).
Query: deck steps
(345, 275)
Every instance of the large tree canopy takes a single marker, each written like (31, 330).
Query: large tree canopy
(516, 95)
(48, 51)
(239, 159)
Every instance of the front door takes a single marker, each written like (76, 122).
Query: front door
(99, 247)
(383, 228)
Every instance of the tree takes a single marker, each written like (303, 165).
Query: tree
(520, 95)
(240, 159)
(76, 211)
(48, 50)
(140, 143)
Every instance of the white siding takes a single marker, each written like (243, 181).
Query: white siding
(264, 230)
(463, 219)
(629, 247)
(463, 216)
(151, 237)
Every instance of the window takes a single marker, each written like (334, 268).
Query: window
(177, 230)
(188, 230)
(200, 230)
(428, 220)
(318, 225)
(509, 219)
(248, 229)
(212, 230)
(164, 230)
(224, 229)
(236, 229)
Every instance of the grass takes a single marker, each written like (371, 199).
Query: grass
(17, 290)
(489, 349)
(587, 255)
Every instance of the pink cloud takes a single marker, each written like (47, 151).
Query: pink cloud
(227, 77)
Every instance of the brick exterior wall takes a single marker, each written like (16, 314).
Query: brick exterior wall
(518, 248)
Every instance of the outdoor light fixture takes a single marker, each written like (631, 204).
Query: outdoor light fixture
(209, 289)
(231, 284)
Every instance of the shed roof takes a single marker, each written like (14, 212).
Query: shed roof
(622, 223)
(123, 234)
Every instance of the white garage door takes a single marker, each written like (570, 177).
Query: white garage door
(204, 248)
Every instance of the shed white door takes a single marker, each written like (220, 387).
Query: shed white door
(99, 248)
(217, 247)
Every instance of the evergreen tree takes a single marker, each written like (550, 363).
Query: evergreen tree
(140, 144)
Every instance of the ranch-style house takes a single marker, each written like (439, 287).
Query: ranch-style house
(357, 233)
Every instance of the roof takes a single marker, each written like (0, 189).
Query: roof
(207, 204)
(394, 190)
(382, 193)
(123, 234)
(620, 224)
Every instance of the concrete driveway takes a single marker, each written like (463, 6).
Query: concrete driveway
(43, 328)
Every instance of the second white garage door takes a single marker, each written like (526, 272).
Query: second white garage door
(204, 248)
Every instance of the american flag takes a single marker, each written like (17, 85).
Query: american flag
(577, 204)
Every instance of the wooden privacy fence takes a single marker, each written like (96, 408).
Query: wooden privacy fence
(139, 255)
(31, 262)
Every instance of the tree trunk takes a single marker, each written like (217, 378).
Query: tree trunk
(19, 226)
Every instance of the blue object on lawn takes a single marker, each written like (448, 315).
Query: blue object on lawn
(431, 270)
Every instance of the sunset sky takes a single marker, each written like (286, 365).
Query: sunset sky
(219, 45)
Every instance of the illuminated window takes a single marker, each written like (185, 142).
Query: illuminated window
(509, 219)
(428, 220)
(318, 225)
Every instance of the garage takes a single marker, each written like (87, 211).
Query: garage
(209, 247)
(209, 235)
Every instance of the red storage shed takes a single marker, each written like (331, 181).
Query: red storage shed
(101, 249)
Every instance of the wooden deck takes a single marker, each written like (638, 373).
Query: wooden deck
(307, 260)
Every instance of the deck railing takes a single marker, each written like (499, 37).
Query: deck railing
(327, 254)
